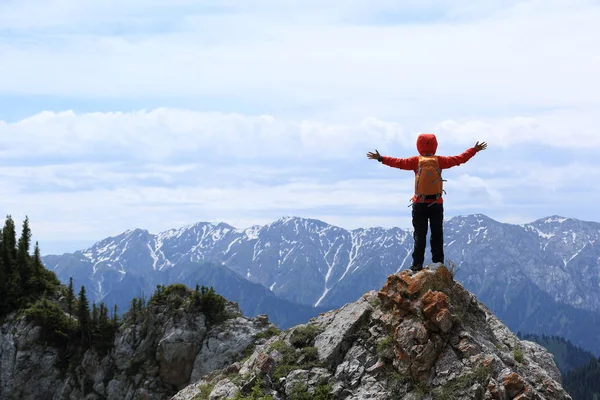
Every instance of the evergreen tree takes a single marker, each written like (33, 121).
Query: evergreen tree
(3, 288)
(115, 316)
(70, 297)
(9, 260)
(9, 245)
(94, 315)
(584, 382)
(83, 314)
(133, 309)
(23, 256)
(103, 314)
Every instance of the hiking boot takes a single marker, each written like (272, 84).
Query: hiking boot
(435, 265)
(416, 268)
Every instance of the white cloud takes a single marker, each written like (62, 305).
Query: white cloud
(87, 176)
(330, 81)
(533, 55)
(183, 136)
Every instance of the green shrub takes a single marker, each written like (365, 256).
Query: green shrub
(211, 303)
(311, 354)
(204, 392)
(308, 356)
(321, 392)
(304, 336)
(255, 394)
(385, 347)
(269, 333)
(55, 325)
(162, 294)
(452, 388)
(518, 355)
(205, 299)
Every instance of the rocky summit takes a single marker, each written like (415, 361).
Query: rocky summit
(422, 336)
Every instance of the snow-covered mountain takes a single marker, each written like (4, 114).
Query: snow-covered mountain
(312, 263)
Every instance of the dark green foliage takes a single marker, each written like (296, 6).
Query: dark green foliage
(3, 288)
(23, 258)
(23, 278)
(309, 354)
(256, 392)
(115, 316)
(269, 333)
(83, 316)
(518, 355)
(177, 296)
(385, 348)
(70, 297)
(455, 386)
(583, 383)
(301, 392)
(94, 314)
(9, 242)
(41, 280)
(211, 303)
(55, 325)
(304, 336)
(204, 392)
(294, 358)
(11, 283)
(103, 330)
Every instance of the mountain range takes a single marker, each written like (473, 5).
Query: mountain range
(541, 278)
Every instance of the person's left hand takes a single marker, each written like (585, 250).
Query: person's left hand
(480, 146)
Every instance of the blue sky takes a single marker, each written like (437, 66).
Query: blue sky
(156, 114)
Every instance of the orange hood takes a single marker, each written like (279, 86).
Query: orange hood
(427, 143)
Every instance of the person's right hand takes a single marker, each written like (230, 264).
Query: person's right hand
(481, 146)
(373, 156)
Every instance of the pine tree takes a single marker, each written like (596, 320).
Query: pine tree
(115, 316)
(9, 259)
(9, 245)
(83, 314)
(94, 315)
(133, 308)
(70, 297)
(3, 300)
(23, 256)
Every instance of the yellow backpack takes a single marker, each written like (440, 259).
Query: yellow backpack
(428, 179)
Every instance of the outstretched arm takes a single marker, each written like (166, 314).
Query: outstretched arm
(402, 163)
(453, 161)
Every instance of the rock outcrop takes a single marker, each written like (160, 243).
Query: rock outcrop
(422, 336)
(155, 353)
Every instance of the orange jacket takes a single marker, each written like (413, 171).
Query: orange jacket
(427, 145)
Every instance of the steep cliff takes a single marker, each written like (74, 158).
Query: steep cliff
(422, 336)
(158, 349)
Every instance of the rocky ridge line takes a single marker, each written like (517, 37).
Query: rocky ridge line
(155, 353)
(422, 336)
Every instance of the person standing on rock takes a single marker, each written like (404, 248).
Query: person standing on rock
(427, 202)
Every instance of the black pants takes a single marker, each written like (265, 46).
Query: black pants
(421, 216)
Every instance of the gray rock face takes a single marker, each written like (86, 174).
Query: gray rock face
(423, 336)
(224, 344)
(177, 350)
(340, 325)
(159, 352)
